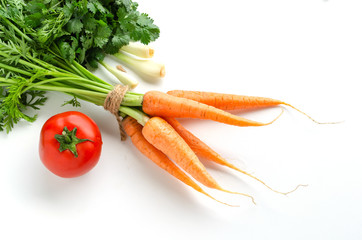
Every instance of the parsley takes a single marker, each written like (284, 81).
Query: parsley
(45, 44)
(74, 102)
(101, 26)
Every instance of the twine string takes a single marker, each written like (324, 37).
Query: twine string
(113, 102)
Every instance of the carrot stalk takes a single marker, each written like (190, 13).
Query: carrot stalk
(162, 136)
(156, 103)
(202, 150)
(235, 102)
(134, 130)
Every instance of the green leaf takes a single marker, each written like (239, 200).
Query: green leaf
(116, 43)
(35, 6)
(67, 51)
(95, 55)
(102, 34)
(34, 20)
(15, 103)
(33, 99)
(92, 7)
(68, 9)
(121, 13)
(87, 41)
(120, 40)
(98, 6)
(127, 4)
(81, 55)
(74, 25)
(74, 102)
(144, 20)
(74, 43)
(90, 24)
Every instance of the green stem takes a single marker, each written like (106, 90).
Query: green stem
(79, 72)
(90, 75)
(23, 62)
(63, 65)
(58, 60)
(14, 69)
(95, 100)
(135, 93)
(58, 79)
(7, 81)
(71, 91)
(132, 100)
(97, 85)
(140, 116)
(49, 66)
(18, 31)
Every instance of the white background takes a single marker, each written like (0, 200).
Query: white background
(305, 52)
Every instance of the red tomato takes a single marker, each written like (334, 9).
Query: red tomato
(70, 144)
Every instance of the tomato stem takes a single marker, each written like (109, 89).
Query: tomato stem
(68, 140)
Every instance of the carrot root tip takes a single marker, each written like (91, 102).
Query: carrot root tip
(239, 193)
(298, 186)
(298, 110)
(227, 204)
(266, 185)
(280, 114)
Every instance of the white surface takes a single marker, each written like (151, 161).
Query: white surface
(307, 53)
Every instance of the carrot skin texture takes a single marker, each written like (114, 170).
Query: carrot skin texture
(227, 101)
(156, 103)
(200, 148)
(134, 131)
(162, 136)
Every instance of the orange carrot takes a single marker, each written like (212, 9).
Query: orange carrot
(226, 101)
(234, 102)
(134, 130)
(156, 103)
(162, 136)
(204, 151)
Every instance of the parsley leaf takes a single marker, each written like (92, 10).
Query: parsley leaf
(74, 102)
(102, 34)
(103, 25)
(74, 25)
(46, 44)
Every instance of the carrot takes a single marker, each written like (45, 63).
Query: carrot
(234, 102)
(156, 103)
(162, 136)
(204, 151)
(134, 130)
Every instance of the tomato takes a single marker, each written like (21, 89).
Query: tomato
(70, 144)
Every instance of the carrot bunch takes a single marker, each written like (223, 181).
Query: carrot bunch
(157, 134)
